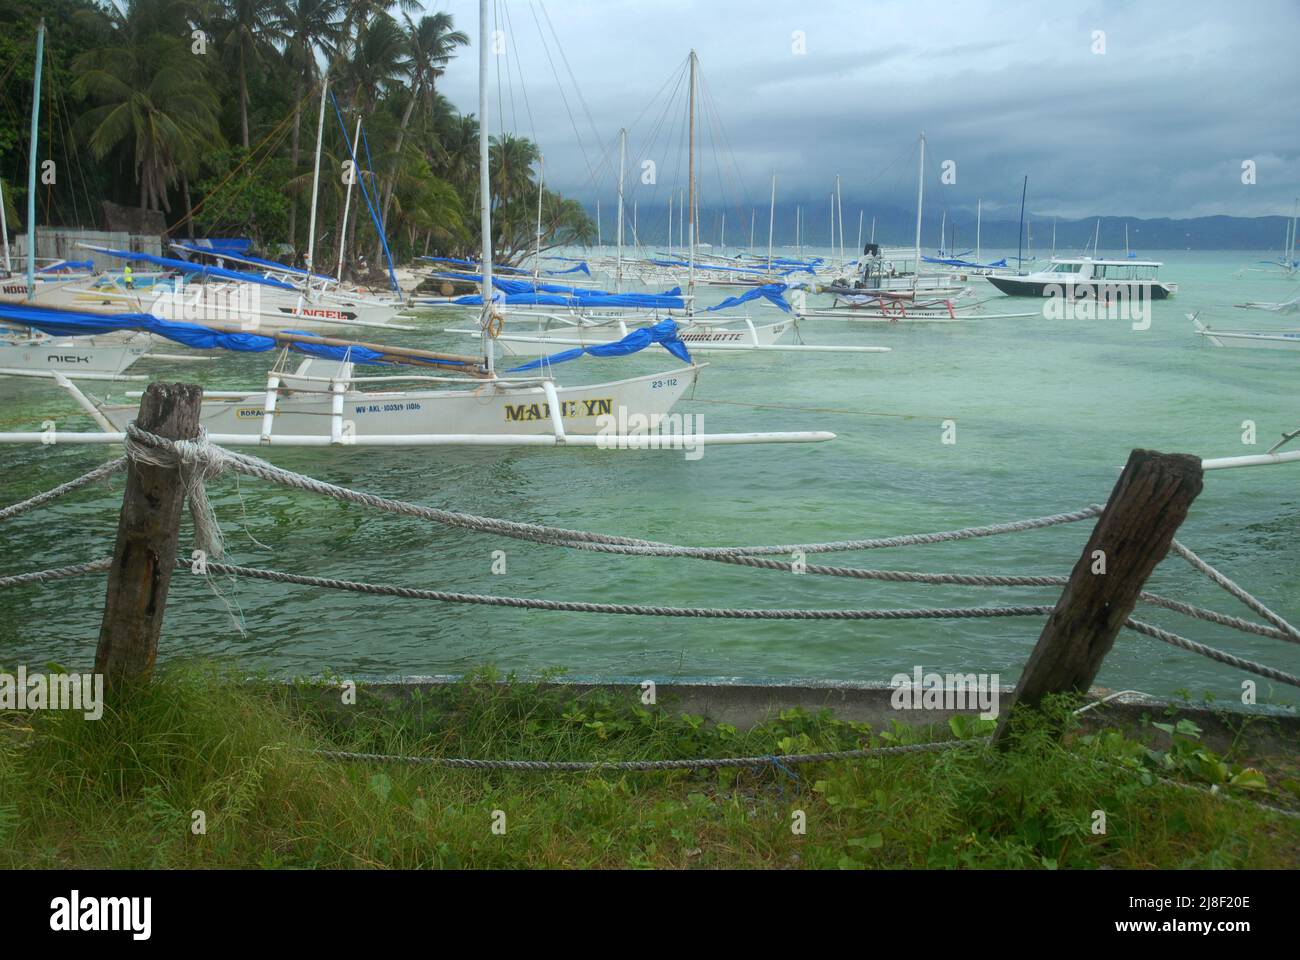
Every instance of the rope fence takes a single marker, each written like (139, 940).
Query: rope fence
(199, 461)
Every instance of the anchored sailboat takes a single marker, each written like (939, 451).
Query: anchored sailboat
(321, 403)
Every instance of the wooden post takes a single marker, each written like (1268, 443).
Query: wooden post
(148, 529)
(1131, 537)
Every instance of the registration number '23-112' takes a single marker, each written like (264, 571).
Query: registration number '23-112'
(660, 384)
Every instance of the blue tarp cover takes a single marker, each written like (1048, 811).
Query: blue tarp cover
(577, 297)
(187, 267)
(663, 333)
(253, 261)
(67, 323)
(769, 291)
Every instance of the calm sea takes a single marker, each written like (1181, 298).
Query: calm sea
(1045, 415)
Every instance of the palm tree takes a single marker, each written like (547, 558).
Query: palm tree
(249, 27)
(306, 26)
(154, 101)
(431, 44)
(510, 161)
(374, 70)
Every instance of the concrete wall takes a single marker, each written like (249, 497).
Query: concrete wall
(60, 243)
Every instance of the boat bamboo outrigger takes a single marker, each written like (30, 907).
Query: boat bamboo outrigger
(321, 403)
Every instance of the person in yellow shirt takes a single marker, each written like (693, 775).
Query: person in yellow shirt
(128, 279)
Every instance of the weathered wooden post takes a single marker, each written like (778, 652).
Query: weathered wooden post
(1131, 537)
(148, 529)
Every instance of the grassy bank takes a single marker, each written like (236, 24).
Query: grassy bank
(122, 791)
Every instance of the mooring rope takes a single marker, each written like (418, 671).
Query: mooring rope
(57, 573)
(200, 460)
(793, 759)
(226, 459)
(1291, 633)
(197, 461)
(1250, 666)
(628, 609)
(99, 473)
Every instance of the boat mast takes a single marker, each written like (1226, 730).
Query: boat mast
(1020, 234)
(943, 231)
(1096, 236)
(979, 205)
(541, 180)
(1295, 212)
(670, 228)
(753, 215)
(315, 184)
(485, 186)
(839, 208)
(636, 238)
(31, 167)
(1126, 239)
(722, 240)
(920, 198)
(798, 231)
(622, 158)
(347, 204)
(1053, 238)
(600, 241)
(771, 223)
(832, 225)
(690, 283)
(4, 229)
(873, 229)
(862, 214)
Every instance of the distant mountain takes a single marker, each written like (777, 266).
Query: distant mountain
(896, 226)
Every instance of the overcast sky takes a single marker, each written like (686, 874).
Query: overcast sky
(1157, 125)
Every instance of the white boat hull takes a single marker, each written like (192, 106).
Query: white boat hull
(70, 355)
(490, 409)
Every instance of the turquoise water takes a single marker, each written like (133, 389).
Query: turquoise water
(1046, 414)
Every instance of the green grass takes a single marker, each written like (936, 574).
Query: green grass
(121, 792)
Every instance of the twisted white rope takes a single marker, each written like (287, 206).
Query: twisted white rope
(99, 473)
(1289, 631)
(229, 460)
(197, 461)
(643, 610)
(531, 766)
(1250, 666)
(57, 573)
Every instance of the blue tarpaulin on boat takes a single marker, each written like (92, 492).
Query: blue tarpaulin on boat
(590, 299)
(769, 291)
(473, 264)
(68, 323)
(234, 246)
(187, 267)
(580, 268)
(253, 261)
(663, 333)
(67, 266)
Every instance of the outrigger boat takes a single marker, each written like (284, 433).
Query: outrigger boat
(318, 407)
(1247, 339)
(87, 358)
